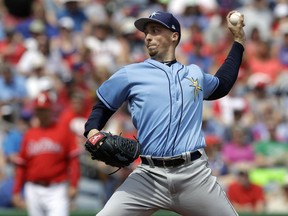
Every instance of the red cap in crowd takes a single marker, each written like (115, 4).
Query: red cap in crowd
(43, 101)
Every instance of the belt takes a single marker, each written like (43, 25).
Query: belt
(46, 183)
(173, 161)
(42, 183)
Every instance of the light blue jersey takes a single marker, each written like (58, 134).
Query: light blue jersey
(165, 102)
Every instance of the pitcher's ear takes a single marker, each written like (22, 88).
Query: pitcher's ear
(175, 36)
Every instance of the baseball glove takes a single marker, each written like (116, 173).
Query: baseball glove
(114, 150)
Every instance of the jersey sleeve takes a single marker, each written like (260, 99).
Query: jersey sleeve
(114, 91)
(73, 153)
(20, 168)
(210, 84)
(74, 163)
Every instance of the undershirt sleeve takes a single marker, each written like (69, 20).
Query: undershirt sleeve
(228, 72)
(98, 117)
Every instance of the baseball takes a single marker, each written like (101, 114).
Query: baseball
(234, 18)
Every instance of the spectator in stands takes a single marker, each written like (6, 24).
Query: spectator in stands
(38, 80)
(271, 152)
(261, 10)
(196, 50)
(280, 12)
(106, 50)
(265, 61)
(74, 10)
(66, 46)
(37, 45)
(213, 151)
(260, 127)
(13, 138)
(98, 7)
(131, 42)
(252, 43)
(245, 195)
(239, 148)
(11, 147)
(211, 125)
(12, 47)
(192, 14)
(225, 108)
(262, 104)
(38, 17)
(283, 49)
(6, 183)
(13, 93)
(278, 202)
(74, 115)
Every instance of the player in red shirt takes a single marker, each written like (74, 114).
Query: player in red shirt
(48, 165)
(245, 195)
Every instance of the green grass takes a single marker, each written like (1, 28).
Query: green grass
(15, 212)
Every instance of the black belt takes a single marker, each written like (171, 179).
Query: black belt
(42, 183)
(172, 161)
(46, 183)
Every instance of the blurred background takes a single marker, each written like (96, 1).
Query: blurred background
(69, 47)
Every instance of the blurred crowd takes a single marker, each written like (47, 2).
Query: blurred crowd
(67, 48)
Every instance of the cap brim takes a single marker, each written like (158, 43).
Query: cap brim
(142, 22)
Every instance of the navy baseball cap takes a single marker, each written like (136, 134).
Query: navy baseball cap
(163, 18)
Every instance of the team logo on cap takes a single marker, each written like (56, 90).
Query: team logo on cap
(196, 86)
(154, 14)
(42, 99)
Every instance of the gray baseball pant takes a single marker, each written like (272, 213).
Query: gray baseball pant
(189, 190)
